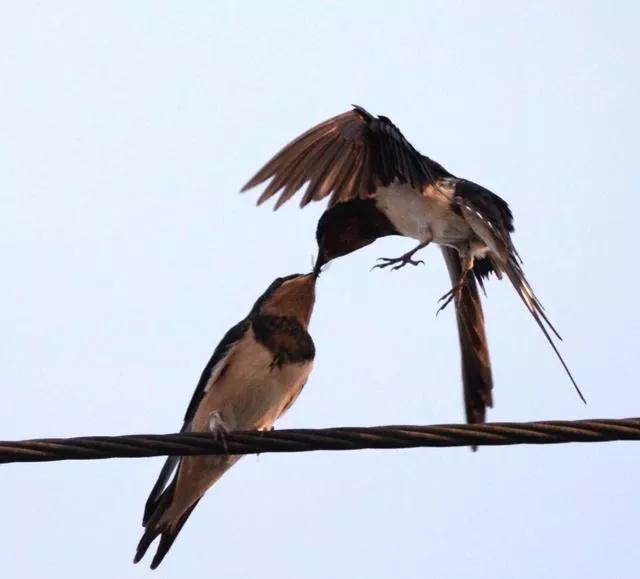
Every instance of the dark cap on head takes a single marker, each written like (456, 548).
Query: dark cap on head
(346, 227)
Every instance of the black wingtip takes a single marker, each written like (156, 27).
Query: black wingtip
(253, 182)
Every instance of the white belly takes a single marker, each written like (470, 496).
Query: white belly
(407, 210)
(425, 217)
(251, 394)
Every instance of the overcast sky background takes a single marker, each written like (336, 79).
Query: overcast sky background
(126, 132)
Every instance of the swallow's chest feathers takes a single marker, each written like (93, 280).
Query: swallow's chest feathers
(425, 217)
(261, 377)
(285, 338)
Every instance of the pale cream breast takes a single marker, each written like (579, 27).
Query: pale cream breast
(407, 211)
(251, 394)
(427, 216)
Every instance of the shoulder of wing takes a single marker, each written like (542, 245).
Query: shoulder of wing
(213, 367)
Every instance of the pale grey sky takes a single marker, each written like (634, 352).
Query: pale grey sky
(127, 130)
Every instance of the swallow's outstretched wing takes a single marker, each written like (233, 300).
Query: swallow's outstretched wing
(348, 157)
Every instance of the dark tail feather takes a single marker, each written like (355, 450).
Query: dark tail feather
(157, 493)
(168, 536)
(148, 537)
(152, 525)
(476, 367)
(516, 275)
(167, 530)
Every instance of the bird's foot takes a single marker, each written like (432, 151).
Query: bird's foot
(218, 428)
(397, 262)
(454, 292)
(266, 429)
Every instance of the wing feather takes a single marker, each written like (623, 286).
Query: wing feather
(346, 157)
(490, 219)
(213, 369)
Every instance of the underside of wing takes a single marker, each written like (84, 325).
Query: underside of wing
(348, 157)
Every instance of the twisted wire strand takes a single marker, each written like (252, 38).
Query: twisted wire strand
(305, 440)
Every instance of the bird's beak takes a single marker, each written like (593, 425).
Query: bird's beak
(320, 261)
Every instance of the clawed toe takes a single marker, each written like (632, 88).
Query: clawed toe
(397, 262)
(446, 299)
(218, 428)
(445, 304)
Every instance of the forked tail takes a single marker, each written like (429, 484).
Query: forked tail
(516, 275)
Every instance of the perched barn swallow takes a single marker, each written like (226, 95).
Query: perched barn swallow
(252, 378)
(380, 185)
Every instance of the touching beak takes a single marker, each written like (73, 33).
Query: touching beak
(321, 260)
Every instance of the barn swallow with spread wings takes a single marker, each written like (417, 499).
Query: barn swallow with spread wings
(380, 185)
(253, 377)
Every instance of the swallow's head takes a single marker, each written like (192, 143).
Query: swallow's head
(291, 296)
(348, 226)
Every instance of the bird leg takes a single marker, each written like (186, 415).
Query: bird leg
(218, 428)
(401, 261)
(456, 290)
